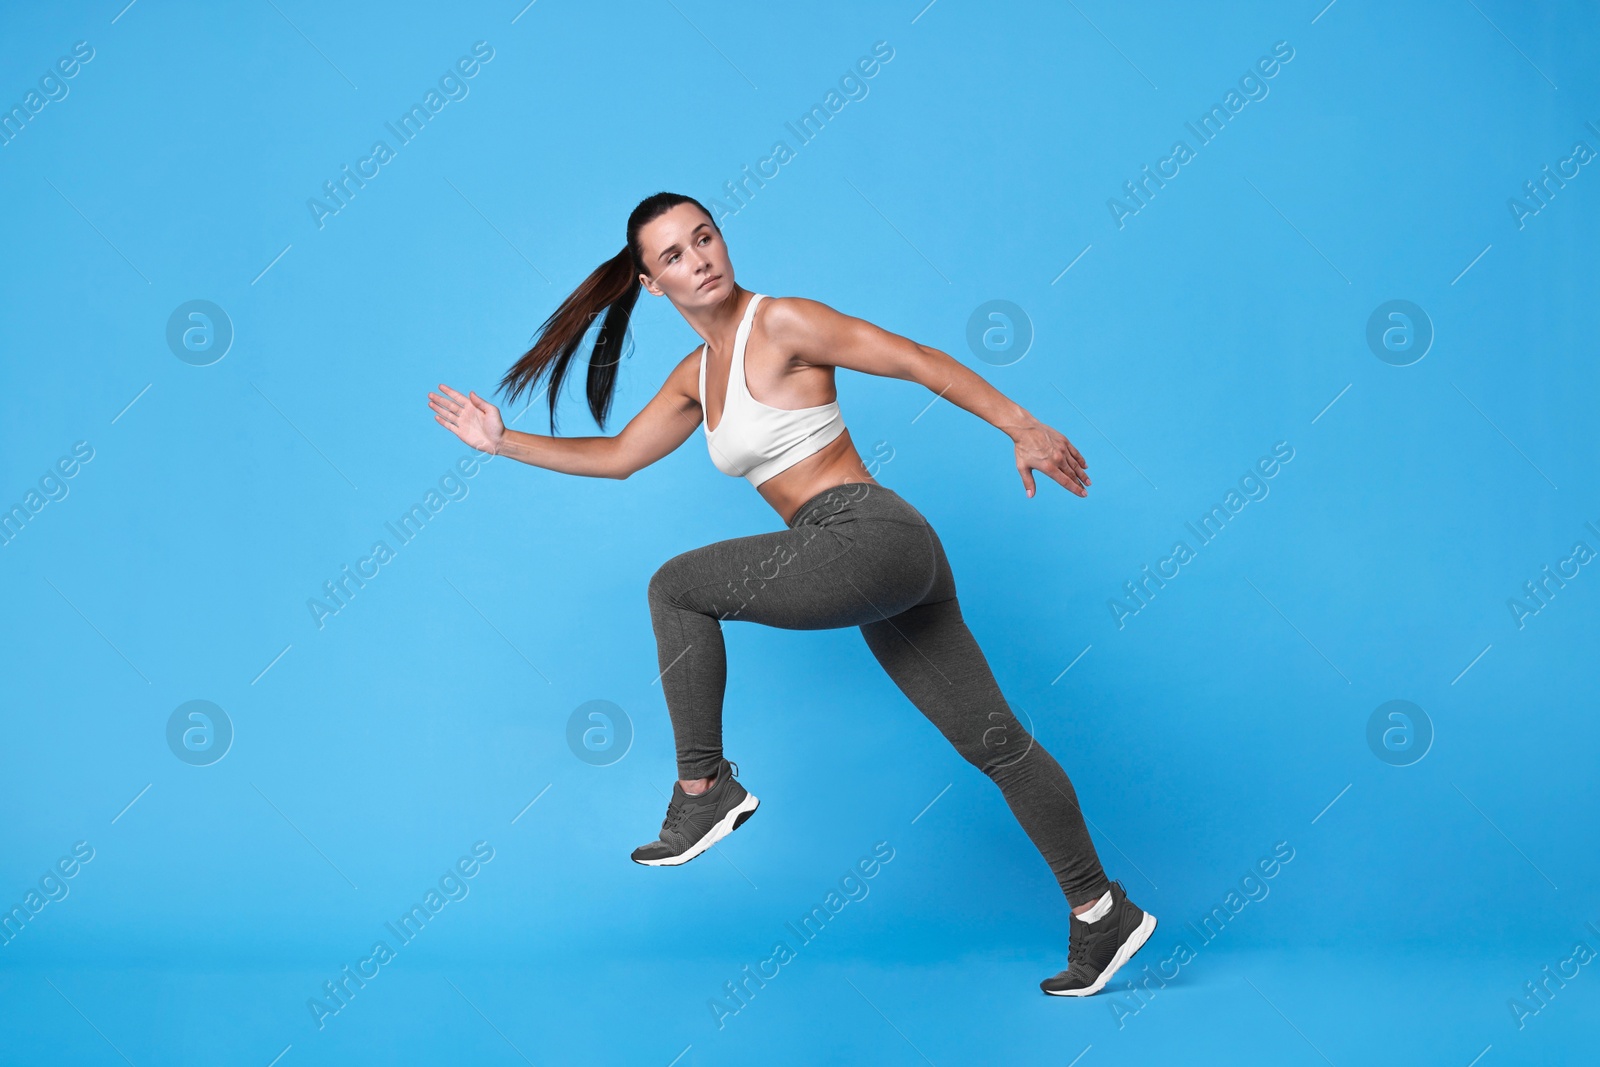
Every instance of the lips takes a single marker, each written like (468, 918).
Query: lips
(710, 280)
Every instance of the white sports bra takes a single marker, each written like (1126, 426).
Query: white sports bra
(756, 440)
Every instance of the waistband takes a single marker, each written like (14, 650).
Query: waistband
(855, 500)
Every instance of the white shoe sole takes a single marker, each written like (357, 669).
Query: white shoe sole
(1135, 942)
(723, 827)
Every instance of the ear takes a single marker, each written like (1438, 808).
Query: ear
(654, 289)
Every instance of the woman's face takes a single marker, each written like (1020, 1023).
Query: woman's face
(686, 258)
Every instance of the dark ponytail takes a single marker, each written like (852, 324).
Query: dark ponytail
(613, 289)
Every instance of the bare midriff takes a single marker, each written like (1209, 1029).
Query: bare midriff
(836, 463)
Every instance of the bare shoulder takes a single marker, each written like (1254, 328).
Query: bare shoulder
(817, 335)
(790, 318)
(802, 328)
(684, 379)
(689, 364)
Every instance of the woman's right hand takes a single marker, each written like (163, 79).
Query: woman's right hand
(471, 418)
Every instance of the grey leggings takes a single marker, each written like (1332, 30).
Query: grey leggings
(859, 555)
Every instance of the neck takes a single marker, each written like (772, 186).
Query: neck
(718, 323)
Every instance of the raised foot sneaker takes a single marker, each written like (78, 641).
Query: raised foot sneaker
(1097, 949)
(696, 822)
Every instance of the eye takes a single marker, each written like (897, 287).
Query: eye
(672, 258)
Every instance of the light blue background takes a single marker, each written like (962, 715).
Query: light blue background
(1223, 718)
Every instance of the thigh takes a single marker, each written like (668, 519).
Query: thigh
(810, 577)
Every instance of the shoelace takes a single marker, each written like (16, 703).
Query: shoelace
(1077, 943)
(676, 812)
(674, 817)
(1078, 940)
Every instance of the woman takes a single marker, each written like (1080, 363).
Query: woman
(854, 553)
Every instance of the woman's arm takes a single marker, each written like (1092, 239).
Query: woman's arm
(818, 334)
(663, 424)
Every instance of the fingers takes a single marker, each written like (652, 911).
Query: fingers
(1068, 481)
(454, 405)
(456, 402)
(1065, 477)
(1072, 486)
(1075, 460)
(443, 407)
(1061, 461)
(1075, 469)
(1061, 466)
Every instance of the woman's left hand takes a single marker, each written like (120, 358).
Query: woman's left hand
(1042, 449)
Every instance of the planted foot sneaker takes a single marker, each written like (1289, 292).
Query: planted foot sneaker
(1098, 948)
(695, 822)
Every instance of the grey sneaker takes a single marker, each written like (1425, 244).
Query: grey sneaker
(695, 823)
(1096, 950)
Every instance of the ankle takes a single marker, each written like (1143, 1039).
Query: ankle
(1094, 909)
(696, 786)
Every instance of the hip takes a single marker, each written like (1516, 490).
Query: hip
(856, 502)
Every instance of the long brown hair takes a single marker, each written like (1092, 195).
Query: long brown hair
(613, 288)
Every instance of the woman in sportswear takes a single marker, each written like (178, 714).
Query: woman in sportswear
(854, 553)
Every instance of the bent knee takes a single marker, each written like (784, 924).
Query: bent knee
(663, 588)
(677, 585)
